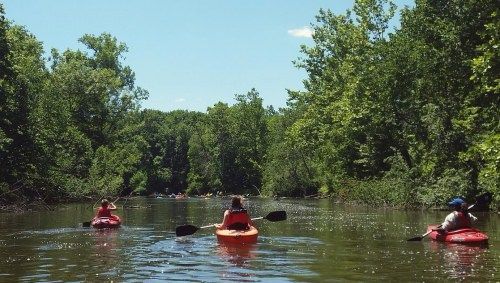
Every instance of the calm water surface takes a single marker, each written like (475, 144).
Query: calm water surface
(320, 242)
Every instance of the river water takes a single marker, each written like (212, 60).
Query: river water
(319, 242)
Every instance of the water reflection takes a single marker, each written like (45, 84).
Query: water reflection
(105, 246)
(459, 261)
(239, 258)
(237, 254)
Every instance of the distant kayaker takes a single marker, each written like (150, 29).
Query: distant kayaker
(460, 218)
(236, 217)
(105, 209)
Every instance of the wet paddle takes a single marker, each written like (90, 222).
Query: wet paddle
(186, 230)
(419, 238)
(87, 223)
(480, 200)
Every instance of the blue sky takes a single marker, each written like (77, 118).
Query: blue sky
(189, 54)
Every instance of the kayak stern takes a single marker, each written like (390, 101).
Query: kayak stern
(106, 222)
(237, 236)
(460, 236)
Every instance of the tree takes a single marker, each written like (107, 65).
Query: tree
(289, 169)
(83, 117)
(211, 152)
(22, 75)
(166, 158)
(340, 121)
(418, 95)
(250, 135)
(227, 150)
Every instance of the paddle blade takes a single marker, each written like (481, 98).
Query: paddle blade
(86, 224)
(418, 238)
(276, 216)
(185, 230)
(484, 199)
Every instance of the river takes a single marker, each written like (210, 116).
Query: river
(321, 241)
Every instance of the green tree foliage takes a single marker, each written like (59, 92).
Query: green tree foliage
(479, 116)
(343, 122)
(289, 170)
(165, 161)
(22, 74)
(421, 95)
(444, 37)
(91, 97)
(387, 116)
(62, 130)
(227, 151)
(211, 153)
(250, 133)
(114, 169)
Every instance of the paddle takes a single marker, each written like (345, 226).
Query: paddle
(87, 223)
(186, 230)
(481, 199)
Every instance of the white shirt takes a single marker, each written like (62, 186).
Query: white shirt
(452, 221)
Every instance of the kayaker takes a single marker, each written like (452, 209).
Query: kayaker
(460, 218)
(236, 217)
(105, 209)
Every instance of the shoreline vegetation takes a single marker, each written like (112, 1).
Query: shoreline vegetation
(401, 118)
(40, 205)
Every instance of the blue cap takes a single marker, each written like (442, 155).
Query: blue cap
(456, 202)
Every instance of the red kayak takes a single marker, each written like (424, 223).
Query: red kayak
(461, 236)
(106, 222)
(237, 236)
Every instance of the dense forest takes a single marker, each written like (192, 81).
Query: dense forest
(400, 117)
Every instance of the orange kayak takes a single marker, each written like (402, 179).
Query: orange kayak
(106, 222)
(237, 236)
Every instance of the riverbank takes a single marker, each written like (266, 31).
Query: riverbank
(38, 205)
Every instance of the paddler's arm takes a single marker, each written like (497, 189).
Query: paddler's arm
(439, 230)
(249, 220)
(448, 222)
(111, 206)
(223, 225)
(472, 217)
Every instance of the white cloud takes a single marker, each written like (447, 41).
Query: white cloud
(301, 32)
(180, 100)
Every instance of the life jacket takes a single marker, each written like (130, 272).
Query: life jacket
(463, 220)
(238, 219)
(103, 212)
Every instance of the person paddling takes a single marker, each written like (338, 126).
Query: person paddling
(105, 209)
(460, 218)
(236, 217)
